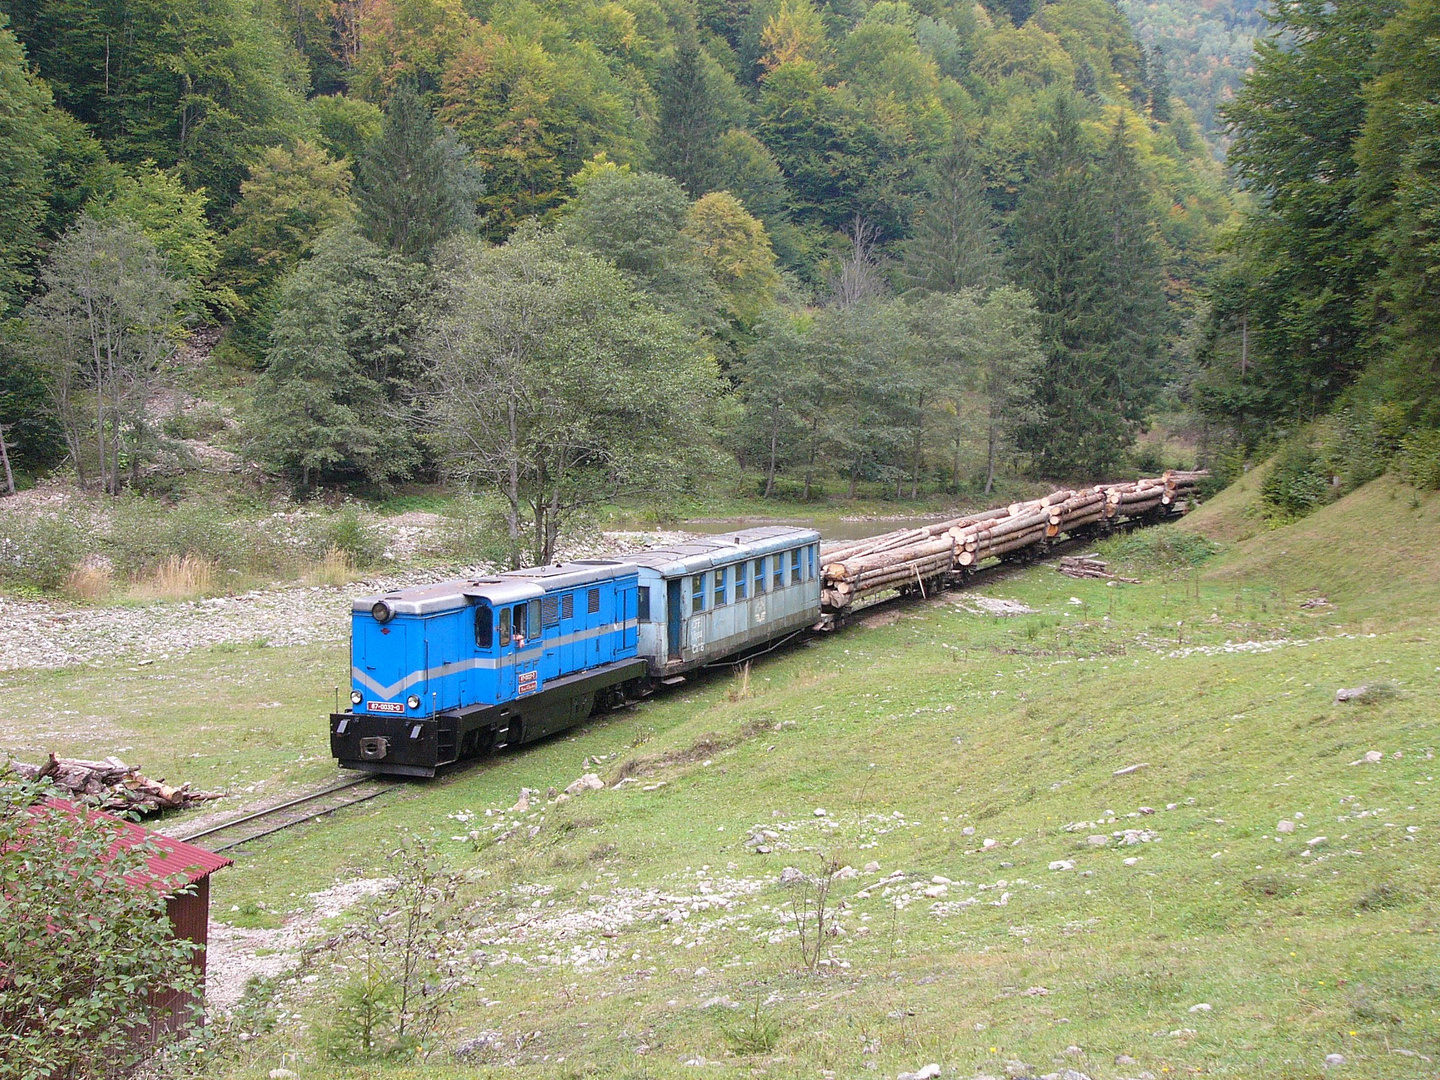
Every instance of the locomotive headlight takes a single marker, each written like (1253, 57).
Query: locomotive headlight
(382, 611)
(356, 697)
(413, 701)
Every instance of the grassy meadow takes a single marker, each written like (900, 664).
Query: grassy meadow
(1076, 813)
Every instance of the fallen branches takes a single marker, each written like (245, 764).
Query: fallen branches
(114, 785)
(1083, 566)
(906, 557)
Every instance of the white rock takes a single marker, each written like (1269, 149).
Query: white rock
(934, 892)
(845, 873)
(968, 830)
(281, 1074)
(819, 811)
(1199, 1007)
(1132, 860)
(789, 875)
(1334, 1059)
(1285, 826)
(589, 782)
(1098, 840)
(1062, 864)
(872, 867)
(928, 1072)
(989, 843)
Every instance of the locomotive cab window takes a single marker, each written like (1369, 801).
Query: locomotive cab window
(505, 627)
(697, 593)
(484, 627)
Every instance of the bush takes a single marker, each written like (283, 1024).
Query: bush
(87, 955)
(1296, 484)
(1418, 462)
(39, 551)
(1158, 549)
(345, 532)
(477, 533)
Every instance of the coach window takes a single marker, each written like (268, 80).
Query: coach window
(484, 627)
(720, 576)
(505, 627)
(759, 576)
(697, 593)
(642, 604)
(814, 551)
(795, 567)
(779, 560)
(740, 582)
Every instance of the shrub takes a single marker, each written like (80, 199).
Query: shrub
(1418, 462)
(86, 954)
(39, 551)
(1297, 482)
(344, 531)
(1161, 548)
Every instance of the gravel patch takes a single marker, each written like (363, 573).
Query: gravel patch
(55, 634)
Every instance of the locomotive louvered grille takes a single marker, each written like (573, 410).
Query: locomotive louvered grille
(549, 612)
(592, 602)
(567, 606)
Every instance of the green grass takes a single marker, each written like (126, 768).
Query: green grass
(909, 729)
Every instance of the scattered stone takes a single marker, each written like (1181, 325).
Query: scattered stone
(819, 811)
(1147, 810)
(1351, 694)
(522, 804)
(485, 1041)
(1128, 769)
(1125, 1059)
(763, 849)
(845, 873)
(968, 830)
(551, 793)
(934, 892)
(989, 844)
(589, 782)
(1062, 864)
(718, 1002)
(1285, 826)
(1036, 991)
(1074, 1051)
(789, 876)
(927, 1072)
(1097, 840)
(282, 1074)
(1200, 1007)
(1334, 1059)
(872, 867)
(1018, 1070)
(1132, 860)
(1065, 1074)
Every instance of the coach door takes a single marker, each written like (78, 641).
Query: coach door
(672, 618)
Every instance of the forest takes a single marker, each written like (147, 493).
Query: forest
(565, 253)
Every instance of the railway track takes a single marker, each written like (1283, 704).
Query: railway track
(273, 819)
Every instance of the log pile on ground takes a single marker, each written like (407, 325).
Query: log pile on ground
(923, 556)
(113, 785)
(1087, 566)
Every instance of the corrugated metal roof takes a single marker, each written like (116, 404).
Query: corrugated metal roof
(173, 856)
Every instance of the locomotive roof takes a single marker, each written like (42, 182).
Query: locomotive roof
(703, 553)
(508, 587)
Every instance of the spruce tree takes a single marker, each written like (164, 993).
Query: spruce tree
(952, 244)
(1084, 250)
(417, 184)
(691, 120)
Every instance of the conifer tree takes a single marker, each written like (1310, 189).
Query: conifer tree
(692, 118)
(417, 184)
(952, 244)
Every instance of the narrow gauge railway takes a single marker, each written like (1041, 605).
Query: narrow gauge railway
(457, 669)
(273, 819)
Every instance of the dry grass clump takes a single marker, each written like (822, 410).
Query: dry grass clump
(89, 583)
(176, 577)
(335, 567)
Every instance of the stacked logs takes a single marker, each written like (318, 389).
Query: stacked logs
(113, 785)
(853, 569)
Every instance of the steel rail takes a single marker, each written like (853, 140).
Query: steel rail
(269, 811)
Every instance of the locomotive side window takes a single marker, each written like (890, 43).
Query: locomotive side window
(567, 606)
(505, 627)
(740, 582)
(720, 576)
(697, 593)
(549, 612)
(795, 567)
(484, 627)
(592, 602)
(642, 604)
(779, 560)
(759, 576)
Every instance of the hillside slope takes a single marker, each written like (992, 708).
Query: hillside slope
(1125, 830)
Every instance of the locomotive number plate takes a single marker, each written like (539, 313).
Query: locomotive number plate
(527, 682)
(384, 706)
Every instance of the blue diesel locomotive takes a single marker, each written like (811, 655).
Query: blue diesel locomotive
(459, 668)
